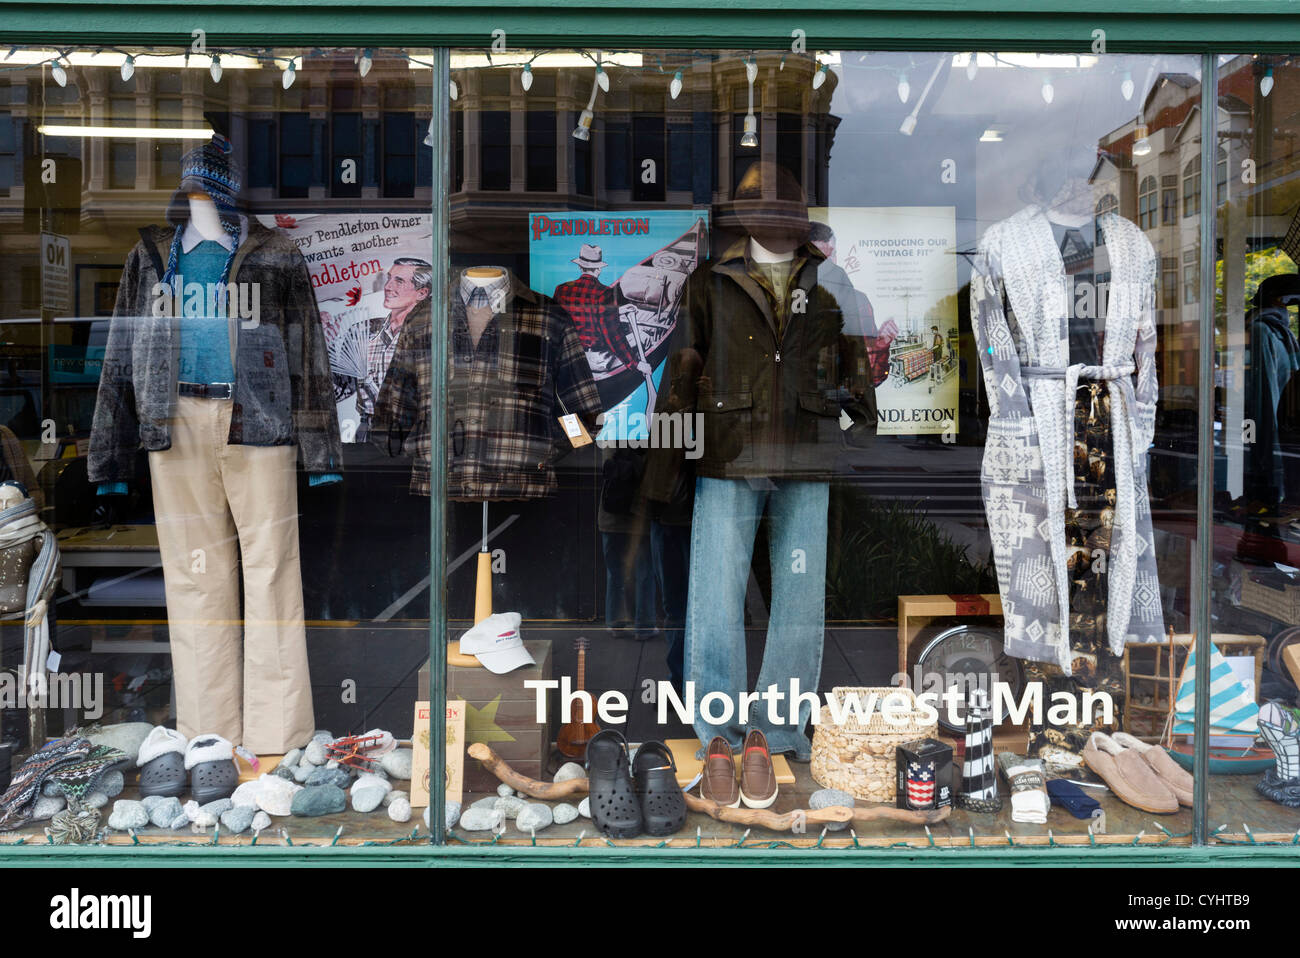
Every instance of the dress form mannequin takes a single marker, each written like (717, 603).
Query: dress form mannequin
(203, 214)
(761, 254)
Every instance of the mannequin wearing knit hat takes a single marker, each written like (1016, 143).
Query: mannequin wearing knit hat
(225, 411)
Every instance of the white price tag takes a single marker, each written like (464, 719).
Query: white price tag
(53, 661)
(846, 421)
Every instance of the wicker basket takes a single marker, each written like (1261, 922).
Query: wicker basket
(858, 757)
(1282, 604)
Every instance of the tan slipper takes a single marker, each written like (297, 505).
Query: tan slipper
(1132, 780)
(1171, 773)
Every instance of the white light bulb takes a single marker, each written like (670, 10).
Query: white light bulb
(751, 71)
(972, 67)
(455, 91)
(215, 69)
(367, 61)
(290, 74)
(1126, 87)
(603, 79)
(675, 88)
(583, 130)
(819, 77)
(1049, 91)
(904, 88)
(128, 68)
(526, 78)
(1266, 84)
(59, 74)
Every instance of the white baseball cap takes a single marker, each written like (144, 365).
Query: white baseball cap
(497, 644)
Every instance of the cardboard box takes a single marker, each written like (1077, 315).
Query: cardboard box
(501, 713)
(1291, 659)
(924, 774)
(454, 777)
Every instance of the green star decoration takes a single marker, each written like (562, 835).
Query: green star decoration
(481, 724)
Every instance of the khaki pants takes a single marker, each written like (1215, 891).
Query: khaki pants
(215, 505)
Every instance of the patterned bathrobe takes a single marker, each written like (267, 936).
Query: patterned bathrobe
(1020, 314)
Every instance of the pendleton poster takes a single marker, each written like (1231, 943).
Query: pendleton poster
(365, 295)
(620, 276)
(902, 263)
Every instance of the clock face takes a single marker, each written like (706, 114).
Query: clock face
(964, 658)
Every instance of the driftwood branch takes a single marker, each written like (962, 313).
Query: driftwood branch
(774, 821)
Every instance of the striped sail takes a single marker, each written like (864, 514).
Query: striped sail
(1231, 707)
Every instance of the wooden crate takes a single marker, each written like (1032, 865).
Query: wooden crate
(502, 713)
(915, 612)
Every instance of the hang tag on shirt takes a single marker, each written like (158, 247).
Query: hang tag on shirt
(575, 430)
(53, 661)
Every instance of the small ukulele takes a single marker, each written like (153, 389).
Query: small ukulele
(573, 738)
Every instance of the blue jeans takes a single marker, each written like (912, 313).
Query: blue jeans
(727, 512)
(670, 548)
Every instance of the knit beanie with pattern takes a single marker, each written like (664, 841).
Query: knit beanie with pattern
(212, 169)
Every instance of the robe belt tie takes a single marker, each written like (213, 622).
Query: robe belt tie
(1120, 375)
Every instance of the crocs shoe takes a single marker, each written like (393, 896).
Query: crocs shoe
(654, 775)
(162, 763)
(210, 761)
(614, 807)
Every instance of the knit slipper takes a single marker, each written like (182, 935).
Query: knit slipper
(210, 760)
(1171, 773)
(614, 808)
(162, 763)
(1132, 780)
(654, 773)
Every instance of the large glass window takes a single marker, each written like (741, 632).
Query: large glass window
(760, 424)
(213, 266)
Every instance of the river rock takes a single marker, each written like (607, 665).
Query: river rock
(328, 776)
(510, 807)
(482, 819)
(393, 796)
(322, 736)
(397, 763)
(451, 815)
(112, 784)
(150, 802)
(584, 808)
(285, 772)
(47, 807)
(165, 811)
(191, 809)
(95, 799)
(829, 798)
(564, 813)
(237, 818)
(368, 793)
(291, 758)
(534, 817)
(180, 822)
(51, 790)
(505, 791)
(215, 808)
(128, 814)
(570, 770)
(275, 797)
(319, 800)
(126, 736)
(400, 810)
(260, 821)
(303, 772)
(489, 803)
(314, 753)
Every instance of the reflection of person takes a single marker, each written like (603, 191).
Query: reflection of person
(1274, 359)
(859, 316)
(405, 291)
(594, 309)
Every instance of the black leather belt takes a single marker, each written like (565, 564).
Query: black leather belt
(205, 390)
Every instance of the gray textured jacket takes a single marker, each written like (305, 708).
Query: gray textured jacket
(283, 392)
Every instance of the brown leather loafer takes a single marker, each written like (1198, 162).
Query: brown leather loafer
(718, 779)
(757, 777)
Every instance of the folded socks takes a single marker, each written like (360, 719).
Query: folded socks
(1071, 797)
(1027, 778)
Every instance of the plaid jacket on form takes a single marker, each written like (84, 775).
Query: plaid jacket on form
(504, 398)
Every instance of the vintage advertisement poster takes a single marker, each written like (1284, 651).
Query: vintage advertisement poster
(454, 776)
(902, 264)
(371, 273)
(620, 276)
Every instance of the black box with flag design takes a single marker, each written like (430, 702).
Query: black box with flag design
(924, 774)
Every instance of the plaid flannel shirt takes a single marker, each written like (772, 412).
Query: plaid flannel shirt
(504, 399)
(594, 309)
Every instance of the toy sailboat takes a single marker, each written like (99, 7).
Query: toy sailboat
(1233, 712)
